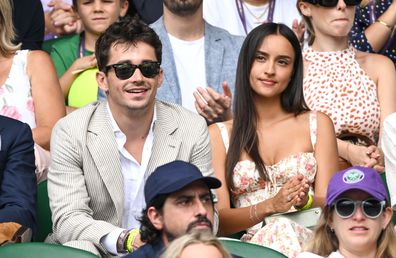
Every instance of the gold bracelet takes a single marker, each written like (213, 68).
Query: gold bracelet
(385, 24)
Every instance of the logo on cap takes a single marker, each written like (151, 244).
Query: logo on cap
(353, 176)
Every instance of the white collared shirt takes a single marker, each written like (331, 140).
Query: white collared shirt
(133, 175)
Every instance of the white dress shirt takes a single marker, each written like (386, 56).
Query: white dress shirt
(133, 174)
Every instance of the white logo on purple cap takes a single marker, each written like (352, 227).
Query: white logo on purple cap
(353, 176)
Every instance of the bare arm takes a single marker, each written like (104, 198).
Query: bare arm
(378, 34)
(326, 156)
(71, 73)
(47, 96)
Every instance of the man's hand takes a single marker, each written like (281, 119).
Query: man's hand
(299, 29)
(212, 105)
(63, 19)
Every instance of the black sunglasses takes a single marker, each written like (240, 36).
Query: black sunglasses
(332, 3)
(371, 208)
(123, 71)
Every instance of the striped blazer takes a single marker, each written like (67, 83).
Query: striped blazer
(85, 183)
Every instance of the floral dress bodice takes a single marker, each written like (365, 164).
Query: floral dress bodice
(250, 188)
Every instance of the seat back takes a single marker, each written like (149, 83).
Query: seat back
(44, 222)
(244, 249)
(42, 250)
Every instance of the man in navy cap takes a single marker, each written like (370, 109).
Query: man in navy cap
(179, 201)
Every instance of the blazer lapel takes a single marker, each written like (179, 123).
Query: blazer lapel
(165, 146)
(102, 145)
(214, 55)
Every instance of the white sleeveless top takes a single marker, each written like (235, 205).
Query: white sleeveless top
(16, 99)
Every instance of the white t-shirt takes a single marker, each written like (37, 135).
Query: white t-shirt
(224, 14)
(189, 58)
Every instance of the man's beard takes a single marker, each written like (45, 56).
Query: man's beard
(190, 228)
(183, 8)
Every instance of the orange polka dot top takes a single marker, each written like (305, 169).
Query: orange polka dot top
(336, 85)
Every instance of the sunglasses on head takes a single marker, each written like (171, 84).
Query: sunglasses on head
(123, 71)
(371, 208)
(332, 3)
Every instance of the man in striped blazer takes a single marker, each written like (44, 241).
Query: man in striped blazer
(103, 152)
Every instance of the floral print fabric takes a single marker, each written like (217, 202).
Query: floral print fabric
(16, 99)
(282, 234)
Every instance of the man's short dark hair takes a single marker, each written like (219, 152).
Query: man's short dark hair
(127, 31)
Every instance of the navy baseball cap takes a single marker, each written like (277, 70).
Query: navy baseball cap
(360, 178)
(172, 177)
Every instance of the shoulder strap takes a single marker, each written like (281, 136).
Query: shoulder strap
(313, 127)
(224, 135)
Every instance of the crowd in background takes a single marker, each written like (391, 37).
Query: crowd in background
(271, 97)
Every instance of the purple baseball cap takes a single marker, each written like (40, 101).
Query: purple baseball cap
(359, 178)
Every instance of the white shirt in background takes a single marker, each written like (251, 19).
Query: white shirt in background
(224, 14)
(189, 58)
(388, 144)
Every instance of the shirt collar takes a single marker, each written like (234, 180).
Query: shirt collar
(116, 128)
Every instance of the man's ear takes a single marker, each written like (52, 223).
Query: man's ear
(160, 78)
(155, 218)
(305, 8)
(124, 7)
(102, 81)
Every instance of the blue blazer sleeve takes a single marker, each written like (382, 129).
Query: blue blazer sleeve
(17, 174)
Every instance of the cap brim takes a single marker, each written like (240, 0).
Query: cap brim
(368, 191)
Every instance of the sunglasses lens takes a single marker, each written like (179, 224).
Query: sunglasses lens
(352, 2)
(372, 208)
(333, 3)
(328, 3)
(149, 69)
(345, 208)
(124, 71)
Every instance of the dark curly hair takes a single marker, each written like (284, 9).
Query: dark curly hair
(148, 233)
(130, 31)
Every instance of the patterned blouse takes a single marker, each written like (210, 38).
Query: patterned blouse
(336, 85)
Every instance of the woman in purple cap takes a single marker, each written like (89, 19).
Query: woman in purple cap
(356, 221)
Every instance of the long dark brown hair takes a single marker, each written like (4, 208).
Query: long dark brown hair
(244, 129)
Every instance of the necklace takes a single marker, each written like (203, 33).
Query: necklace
(242, 17)
(257, 18)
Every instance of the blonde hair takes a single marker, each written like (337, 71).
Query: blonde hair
(324, 241)
(364, 3)
(308, 25)
(177, 246)
(7, 33)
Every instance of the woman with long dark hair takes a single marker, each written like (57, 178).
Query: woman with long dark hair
(276, 155)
